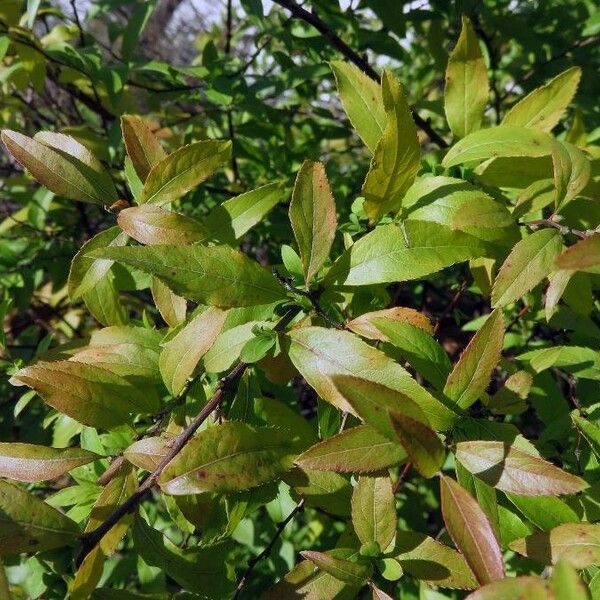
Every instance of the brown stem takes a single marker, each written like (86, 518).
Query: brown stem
(313, 19)
(227, 383)
(550, 222)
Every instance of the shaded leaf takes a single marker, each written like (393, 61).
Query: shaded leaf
(545, 512)
(27, 524)
(313, 219)
(582, 256)
(467, 87)
(320, 354)
(471, 374)
(424, 447)
(471, 531)
(30, 462)
(353, 573)
(215, 275)
(429, 560)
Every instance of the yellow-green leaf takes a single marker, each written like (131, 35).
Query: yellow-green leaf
(362, 101)
(543, 107)
(390, 254)
(312, 214)
(500, 141)
(467, 87)
(566, 584)
(181, 354)
(397, 155)
(172, 308)
(352, 573)
(215, 275)
(471, 374)
(183, 170)
(365, 326)
(513, 588)
(582, 256)
(529, 262)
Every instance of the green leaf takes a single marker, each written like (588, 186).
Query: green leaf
(516, 588)
(511, 470)
(374, 511)
(396, 158)
(228, 458)
(321, 354)
(510, 398)
(86, 272)
(579, 360)
(59, 171)
(360, 449)
(467, 88)
(153, 225)
(181, 354)
(471, 531)
(183, 170)
(497, 142)
(544, 512)
(87, 575)
(142, 146)
(566, 585)
(89, 394)
(365, 325)
(203, 570)
(576, 543)
(353, 573)
(172, 308)
(30, 462)
(471, 374)
(231, 220)
(572, 171)
(543, 107)
(390, 254)
(419, 348)
(428, 560)
(582, 256)
(362, 101)
(424, 448)
(256, 348)
(27, 524)
(312, 214)
(215, 275)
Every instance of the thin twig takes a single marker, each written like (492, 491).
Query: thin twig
(402, 477)
(313, 19)
(550, 222)
(267, 550)
(451, 305)
(90, 540)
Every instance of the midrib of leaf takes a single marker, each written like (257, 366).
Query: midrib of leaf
(370, 448)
